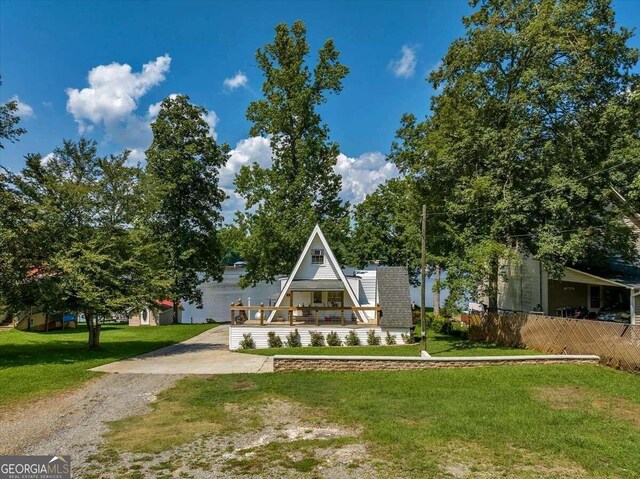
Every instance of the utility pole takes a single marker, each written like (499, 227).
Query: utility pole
(423, 274)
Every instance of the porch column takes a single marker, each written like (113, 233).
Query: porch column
(632, 318)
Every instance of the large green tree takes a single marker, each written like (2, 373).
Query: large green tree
(299, 188)
(185, 199)
(387, 227)
(75, 244)
(522, 133)
(9, 119)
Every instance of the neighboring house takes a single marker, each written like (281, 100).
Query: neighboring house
(318, 295)
(609, 293)
(159, 314)
(40, 321)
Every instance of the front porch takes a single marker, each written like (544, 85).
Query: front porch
(351, 316)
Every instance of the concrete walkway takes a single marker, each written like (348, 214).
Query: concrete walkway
(207, 353)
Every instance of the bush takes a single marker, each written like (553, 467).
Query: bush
(447, 327)
(293, 339)
(247, 342)
(407, 338)
(317, 338)
(437, 324)
(372, 338)
(390, 339)
(210, 321)
(333, 339)
(274, 340)
(352, 339)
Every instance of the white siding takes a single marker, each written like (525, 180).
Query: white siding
(316, 271)
(367, 293)
(522, 286)
(259, 334)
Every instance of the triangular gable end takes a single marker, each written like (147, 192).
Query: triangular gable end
(317, 232)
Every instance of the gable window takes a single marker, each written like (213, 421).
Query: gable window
(317, 256)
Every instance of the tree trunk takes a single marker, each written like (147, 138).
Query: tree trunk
(94, 330)
(175, 311)
(492, 292)
(436, 291)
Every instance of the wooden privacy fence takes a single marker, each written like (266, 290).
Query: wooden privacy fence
(618, 345)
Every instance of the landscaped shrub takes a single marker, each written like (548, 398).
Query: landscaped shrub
(372, 338)
(390, 339)
(293, 339)
(407, 338)
(247, 342)
(437, 324)
(317, 338)
(333, 339)
(274, 340)
(352, 339)
(447, 327)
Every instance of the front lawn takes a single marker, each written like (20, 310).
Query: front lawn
(559, 421)
(33, 364)
(437, 345)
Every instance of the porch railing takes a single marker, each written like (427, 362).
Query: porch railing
(306, 314)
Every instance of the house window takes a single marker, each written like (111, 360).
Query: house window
(335, 298)
(317, 297)
(317, 256)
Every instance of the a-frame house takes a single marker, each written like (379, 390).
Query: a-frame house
(318, 280)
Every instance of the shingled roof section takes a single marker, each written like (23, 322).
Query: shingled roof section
(394, 297)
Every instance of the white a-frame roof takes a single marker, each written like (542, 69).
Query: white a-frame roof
(333, 267)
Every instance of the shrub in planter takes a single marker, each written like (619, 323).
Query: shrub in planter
(274, 340)
(390, 339)
(372, 338)
(247, 342)
(293, 339)
(317, 338)
(333, 339)
(352, 339)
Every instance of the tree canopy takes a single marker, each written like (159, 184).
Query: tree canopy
(524, 140)
(184, 210)
(75, 245)
(299, 188)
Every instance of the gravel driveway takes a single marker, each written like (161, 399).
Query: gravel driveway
(72, 423)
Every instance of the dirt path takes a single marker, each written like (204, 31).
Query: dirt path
(72, 423)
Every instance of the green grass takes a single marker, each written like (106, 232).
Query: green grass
(437, 345)
(560, 421)
(33, 364)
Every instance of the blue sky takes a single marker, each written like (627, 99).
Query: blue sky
(48, 49)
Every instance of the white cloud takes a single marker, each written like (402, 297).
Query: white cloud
(405, 67)
(247, 151)
(256, 149)
(136, 155)
(212, 120)
(154, 109)
(46, 159)
(24, 111)
(362, 175)
(113, 93)
(236, 81)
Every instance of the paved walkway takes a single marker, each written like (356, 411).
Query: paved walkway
(207, 353)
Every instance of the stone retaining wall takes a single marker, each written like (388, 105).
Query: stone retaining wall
(394, 363)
